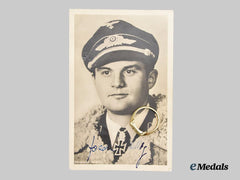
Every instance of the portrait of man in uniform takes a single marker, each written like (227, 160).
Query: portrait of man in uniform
(120, 59)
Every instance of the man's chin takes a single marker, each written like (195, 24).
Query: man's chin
(122, 108)
(121, 111)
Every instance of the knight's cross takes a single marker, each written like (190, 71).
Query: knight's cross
(119, 148)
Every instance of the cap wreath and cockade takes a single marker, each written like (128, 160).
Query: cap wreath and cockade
(118, 40)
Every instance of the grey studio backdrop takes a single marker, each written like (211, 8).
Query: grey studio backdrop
(34, 88)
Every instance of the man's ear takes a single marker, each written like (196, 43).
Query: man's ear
(152, 78)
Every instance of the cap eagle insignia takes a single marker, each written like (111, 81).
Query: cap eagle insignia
(114, 41)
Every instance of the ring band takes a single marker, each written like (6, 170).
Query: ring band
(138, 131)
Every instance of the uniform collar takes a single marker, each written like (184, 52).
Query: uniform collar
(113, 127)
(104, 130)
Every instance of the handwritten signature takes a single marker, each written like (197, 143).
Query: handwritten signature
(143, 154)
(94, 148)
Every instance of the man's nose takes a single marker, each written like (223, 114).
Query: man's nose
(118, 80)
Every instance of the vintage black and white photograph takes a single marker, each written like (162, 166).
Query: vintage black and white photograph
(120, 73)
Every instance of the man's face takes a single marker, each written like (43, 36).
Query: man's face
(122, 86)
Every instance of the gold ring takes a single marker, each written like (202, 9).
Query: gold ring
(138, 131)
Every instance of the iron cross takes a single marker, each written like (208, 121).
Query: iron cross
(119, 148)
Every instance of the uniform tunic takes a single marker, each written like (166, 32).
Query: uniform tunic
(92, 143)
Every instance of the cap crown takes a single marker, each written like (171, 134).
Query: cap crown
(119, 40)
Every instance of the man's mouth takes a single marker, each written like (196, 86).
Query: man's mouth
(119, 95)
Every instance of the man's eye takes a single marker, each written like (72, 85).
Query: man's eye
(130, 72)
(105, 73)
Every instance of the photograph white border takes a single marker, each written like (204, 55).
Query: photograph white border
(73, 166)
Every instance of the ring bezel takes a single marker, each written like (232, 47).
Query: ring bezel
(138, 131)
